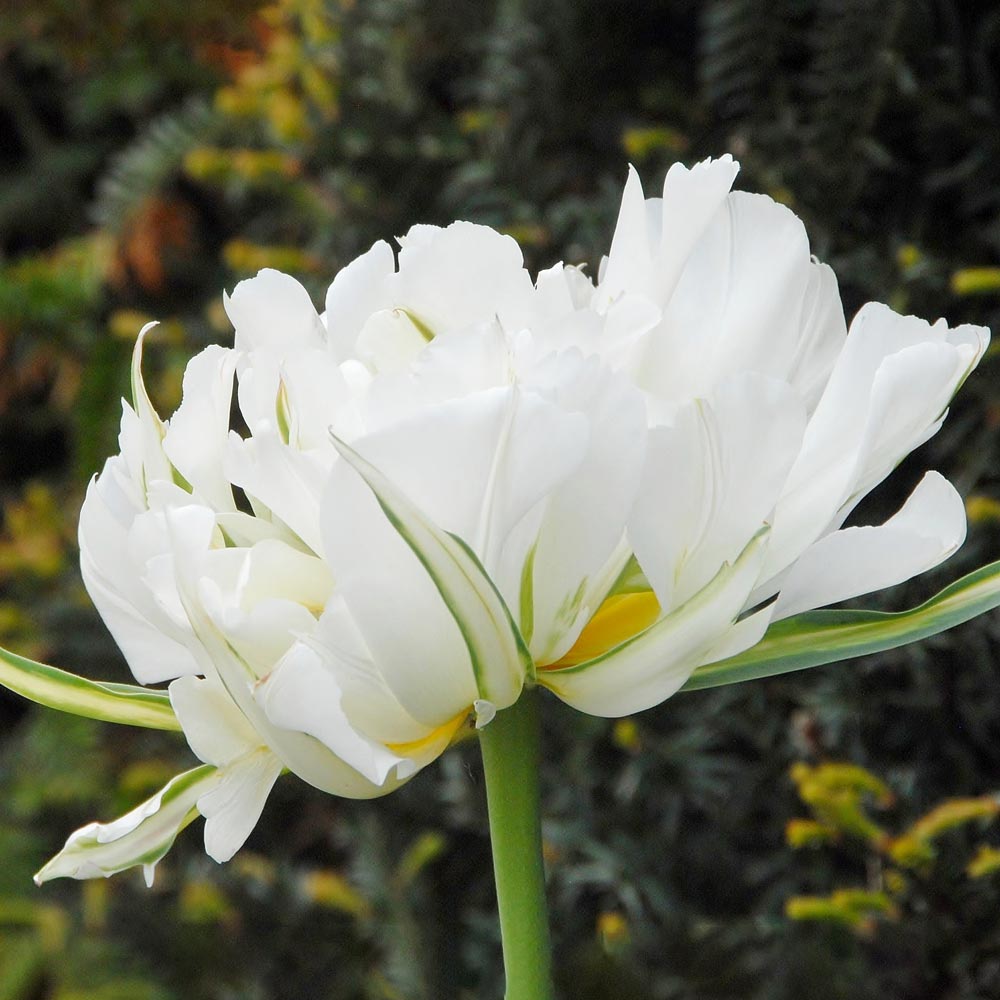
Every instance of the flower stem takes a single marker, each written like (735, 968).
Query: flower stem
(510, 746)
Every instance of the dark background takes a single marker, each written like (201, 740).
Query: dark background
(153, 152)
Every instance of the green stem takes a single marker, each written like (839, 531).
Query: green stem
(510, 746)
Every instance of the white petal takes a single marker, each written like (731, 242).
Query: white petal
(738, 304)
(197, 432)
(886, 396)
(854, 561)
(191, 531)
(757, 425)
(674, 500)
(446, 370)
(389, 341)
(558, 290)
(365, 697)
(273, 311)
(287, 481)
(150, 641)
(485, 711)
(712, 481)
(316, 395)
(877, 337)
(302, 694)
(152, 655)
(691, 199)
(823, 331)
(437, 627)
(262, 636)
(358, 290)
(586, 514)
(627, 322)
(910, 395)
(653, 238)
(629, 260)
(244, 530)
(278, 571)
(140, 837)
(476, 466)
(233, 805)
(461, 276)
(741, 636)
(147, 461)
(216, 730)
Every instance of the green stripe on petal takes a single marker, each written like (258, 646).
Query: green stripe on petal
(141, 837)
(817, 637)
(500, 660)
(127, 704)
(528, 597)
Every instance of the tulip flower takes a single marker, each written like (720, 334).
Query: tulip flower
(458, 484)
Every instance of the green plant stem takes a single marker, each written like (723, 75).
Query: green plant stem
(510, 747)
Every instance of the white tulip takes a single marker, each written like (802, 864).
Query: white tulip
(458, 482)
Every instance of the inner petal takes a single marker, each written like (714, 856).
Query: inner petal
(620, 617)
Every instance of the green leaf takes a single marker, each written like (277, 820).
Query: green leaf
(499, 658)
(817, 637)
(125, 703)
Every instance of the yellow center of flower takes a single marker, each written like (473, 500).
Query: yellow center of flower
(619, 618)
(435, 739)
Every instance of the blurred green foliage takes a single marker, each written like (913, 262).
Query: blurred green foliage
(156, 152)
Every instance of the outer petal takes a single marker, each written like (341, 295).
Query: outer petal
(478, 464)
(412, 635)
(151, 642)
(854, 561)
(650, 667)
(823, 330)
(897, 424)
(152, 655)
(366, 698)
(302, 693)
(475, 467)
(141, 439)
(141, 837)
(233, 805)
(495, 660)
(886, 396)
